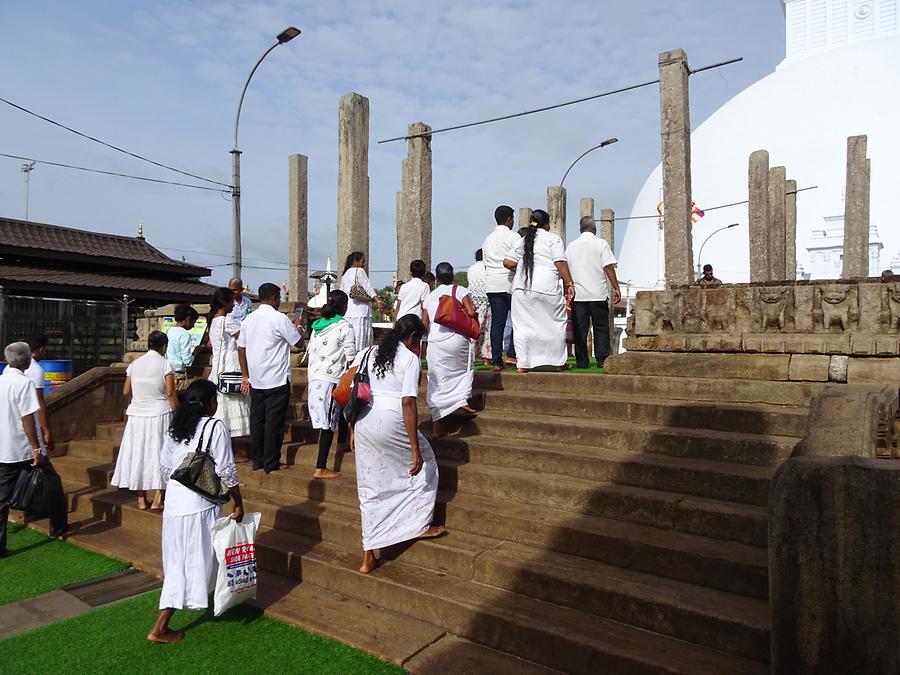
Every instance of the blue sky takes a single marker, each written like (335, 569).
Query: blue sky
(162, 79)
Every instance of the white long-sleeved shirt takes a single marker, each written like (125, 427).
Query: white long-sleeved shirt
(498, 245)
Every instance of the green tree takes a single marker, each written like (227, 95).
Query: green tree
(388, 297)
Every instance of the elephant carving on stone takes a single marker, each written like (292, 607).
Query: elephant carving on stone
(890, 308)
(773, 306)
(835, 310)
(666, 312)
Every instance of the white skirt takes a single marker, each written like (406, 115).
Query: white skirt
(323, 409)
(362, 331)
(189, 560)
(137, 467)
(234, 411)
(450, 375)
(539, 328)
(394, 506)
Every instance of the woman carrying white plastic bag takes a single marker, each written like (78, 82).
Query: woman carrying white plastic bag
(188, 518)
(236, 558)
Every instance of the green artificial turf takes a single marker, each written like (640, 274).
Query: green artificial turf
(547, 369)
(112, 639)
(36, 564)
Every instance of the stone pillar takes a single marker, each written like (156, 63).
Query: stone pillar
(414, 214)
(556, 207)
(758, 215)
(777, 238)
(298, 224)
(353, 177)
(587, 207)
(607, 232)
(524, 217)
(676, 165)
(856, 210)
(790, 230)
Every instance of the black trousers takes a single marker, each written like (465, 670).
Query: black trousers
(59, 518)
(268, 408)
(501, 304)
(585, 314)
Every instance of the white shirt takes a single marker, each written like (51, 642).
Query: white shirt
(268, 336)
(240, 311)
(357, 308)
(18, 400)
(587, 256)
(401, 380)
(548, 249)
(179, 500)
(436, 331)
(35, 373)
(148, 385)
(499, 245)
(411, 296)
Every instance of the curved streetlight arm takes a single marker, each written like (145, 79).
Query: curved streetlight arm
(237, 118)
(700, 254)
(608, 141)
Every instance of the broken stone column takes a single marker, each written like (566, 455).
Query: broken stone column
(414, 211)
(353, 176)
(298, 224)
(587, 207)
(790, 230)
(856, 210)
(758, 215)
(676, 165)
(607, 232)
(524, 217)
(556, 207)
(777, 232)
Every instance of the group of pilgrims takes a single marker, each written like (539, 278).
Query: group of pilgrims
(525, 274)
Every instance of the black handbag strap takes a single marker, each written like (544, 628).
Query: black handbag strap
(208, 440)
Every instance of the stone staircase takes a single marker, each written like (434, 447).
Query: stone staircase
(611, 523)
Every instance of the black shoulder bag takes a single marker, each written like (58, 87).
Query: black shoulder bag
(198, 472)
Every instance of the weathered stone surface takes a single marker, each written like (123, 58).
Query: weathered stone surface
(414, 205)
(607, 229)
(790, 230)
(556, 207)
(586, 207)
(856, 210)
(836, 308)
(675, 125)
(524, 217)
(833, 572)
(298, 226)
(738, 366)
(862, 370)
(758, 215)
(353, 176)
(777, 226)
(809, 368)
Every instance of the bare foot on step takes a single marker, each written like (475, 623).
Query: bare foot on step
(166, 637)
(370, 562)
(432, 532)
(326, 473)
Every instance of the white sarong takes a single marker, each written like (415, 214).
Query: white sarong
(539, 328)
(323, 409)
(394, 506)
(362, 331)
(137, 466)
(189, 560)
(450, 374)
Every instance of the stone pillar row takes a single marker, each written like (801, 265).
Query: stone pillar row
(856, 210)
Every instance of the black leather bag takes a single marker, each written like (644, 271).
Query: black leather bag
(198, 472)
(37, 491)
(22, 490)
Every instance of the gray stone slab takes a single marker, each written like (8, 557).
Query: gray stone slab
(790, 230)
(353, 176)
(556, 208)
(298, 226)
(777, 227)
(414, 223)
(856, 210)
(24, 615)
(758, 214)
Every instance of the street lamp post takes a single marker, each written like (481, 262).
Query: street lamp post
(286, 35)
(608, 141)
(700, 254)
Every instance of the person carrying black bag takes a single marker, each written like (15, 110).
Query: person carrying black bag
(19, 446)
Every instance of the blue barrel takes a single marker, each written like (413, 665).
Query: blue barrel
(2, 366)
(56, 373)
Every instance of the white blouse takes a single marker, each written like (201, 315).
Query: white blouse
(148, 385)
(548, 249)
(401, 380)
(357, 308)
(436, 331)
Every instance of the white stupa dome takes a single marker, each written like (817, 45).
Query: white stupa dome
(840, 78)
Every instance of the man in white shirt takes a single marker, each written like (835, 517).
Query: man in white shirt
(413, 293)
(35, 373)
(19, 447)
(242, 303)
(591, 263)
(498, 246)
(264, 352)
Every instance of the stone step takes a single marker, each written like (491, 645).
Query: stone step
(745, 418)
(740, 448)
(723, 621)
(110, 430)
(100, 450)
(83, 471)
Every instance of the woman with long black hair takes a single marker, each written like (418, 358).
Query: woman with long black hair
(538, 305)
(355, 283)
(396, 472)
(189, 561)
(223, 330)
(332, 347)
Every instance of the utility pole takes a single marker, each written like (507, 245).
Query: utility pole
(27, 168)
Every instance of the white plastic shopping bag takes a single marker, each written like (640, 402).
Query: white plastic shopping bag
(236, 555)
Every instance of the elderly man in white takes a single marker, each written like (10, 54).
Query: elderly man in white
(242, 305)
(591, 263)
(20, 447)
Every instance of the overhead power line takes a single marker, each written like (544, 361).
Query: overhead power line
(554, 106)
(111, 173)
(111, 146)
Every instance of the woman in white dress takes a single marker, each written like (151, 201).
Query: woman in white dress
(359, 309)
(189, 561)
(538, 305)
(234, 409)
(451, 370)
(478, 292)
(150, 381)
(332, 347)
(396, 472)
